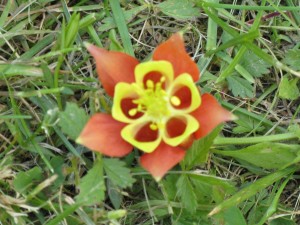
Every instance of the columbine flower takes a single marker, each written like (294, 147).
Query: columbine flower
(157, 107)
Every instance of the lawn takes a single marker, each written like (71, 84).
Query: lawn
(186, 112)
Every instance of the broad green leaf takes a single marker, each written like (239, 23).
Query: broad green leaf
(246, 124)
(179, 9)
(198, 152)
(257, 212)
(226, 185)
(57, 163)
(209, 188)
(286, 220)
(186, 193)
(267, 155)
(114, 194)
(72, 120)
(288, 89)
(168, 185)
(118, 173)
(92, 186)
(255, 65)
(206, 76)
(233, 216)
(295, 128)
(240, 87)
(292, 58)
(24, 180)
(185, 217)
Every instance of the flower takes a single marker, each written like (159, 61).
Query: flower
(157, 108)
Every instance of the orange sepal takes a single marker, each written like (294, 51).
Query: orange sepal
(159, 162)
(103, 134)
(113, 67)
(173, 50)
(209, 115)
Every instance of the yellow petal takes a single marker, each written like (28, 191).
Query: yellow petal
(178, 128)
(163, 67)
(142, 136)
(185, 81)
(124, 112)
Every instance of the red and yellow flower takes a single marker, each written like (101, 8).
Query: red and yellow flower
(157, 108)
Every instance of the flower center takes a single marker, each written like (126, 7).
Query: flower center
(155, 102)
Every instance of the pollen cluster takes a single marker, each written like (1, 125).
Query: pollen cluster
(155, 102)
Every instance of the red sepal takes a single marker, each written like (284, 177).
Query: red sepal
(159, 162)
(113, 67)
(209, 115)
(103, 134)
(173, 50)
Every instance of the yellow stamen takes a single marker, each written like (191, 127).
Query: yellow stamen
(153, 126)
(132, 112)
(150, 84)
(175, 100)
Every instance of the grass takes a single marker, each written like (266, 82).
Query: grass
(243, 173)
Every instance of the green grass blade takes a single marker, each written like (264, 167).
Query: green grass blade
(259, 118)
(254, 140)
(119, 18)
(243, 7)
(4, 15)
(41, 92)
(295, 14)
(68, 145)
(242, 39)
(13, 116)
(239, 68)
(212, 29)
(275, 200)
(265, 56)
(46, 41)
(10, 70)
(93, 34)
(15, 29)
(252, 189)
(69, 210)
(283, 14)
(28, 136)
(228, 71)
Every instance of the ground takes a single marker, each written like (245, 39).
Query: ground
(244, 172)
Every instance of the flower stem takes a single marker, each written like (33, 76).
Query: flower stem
(253, 140)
